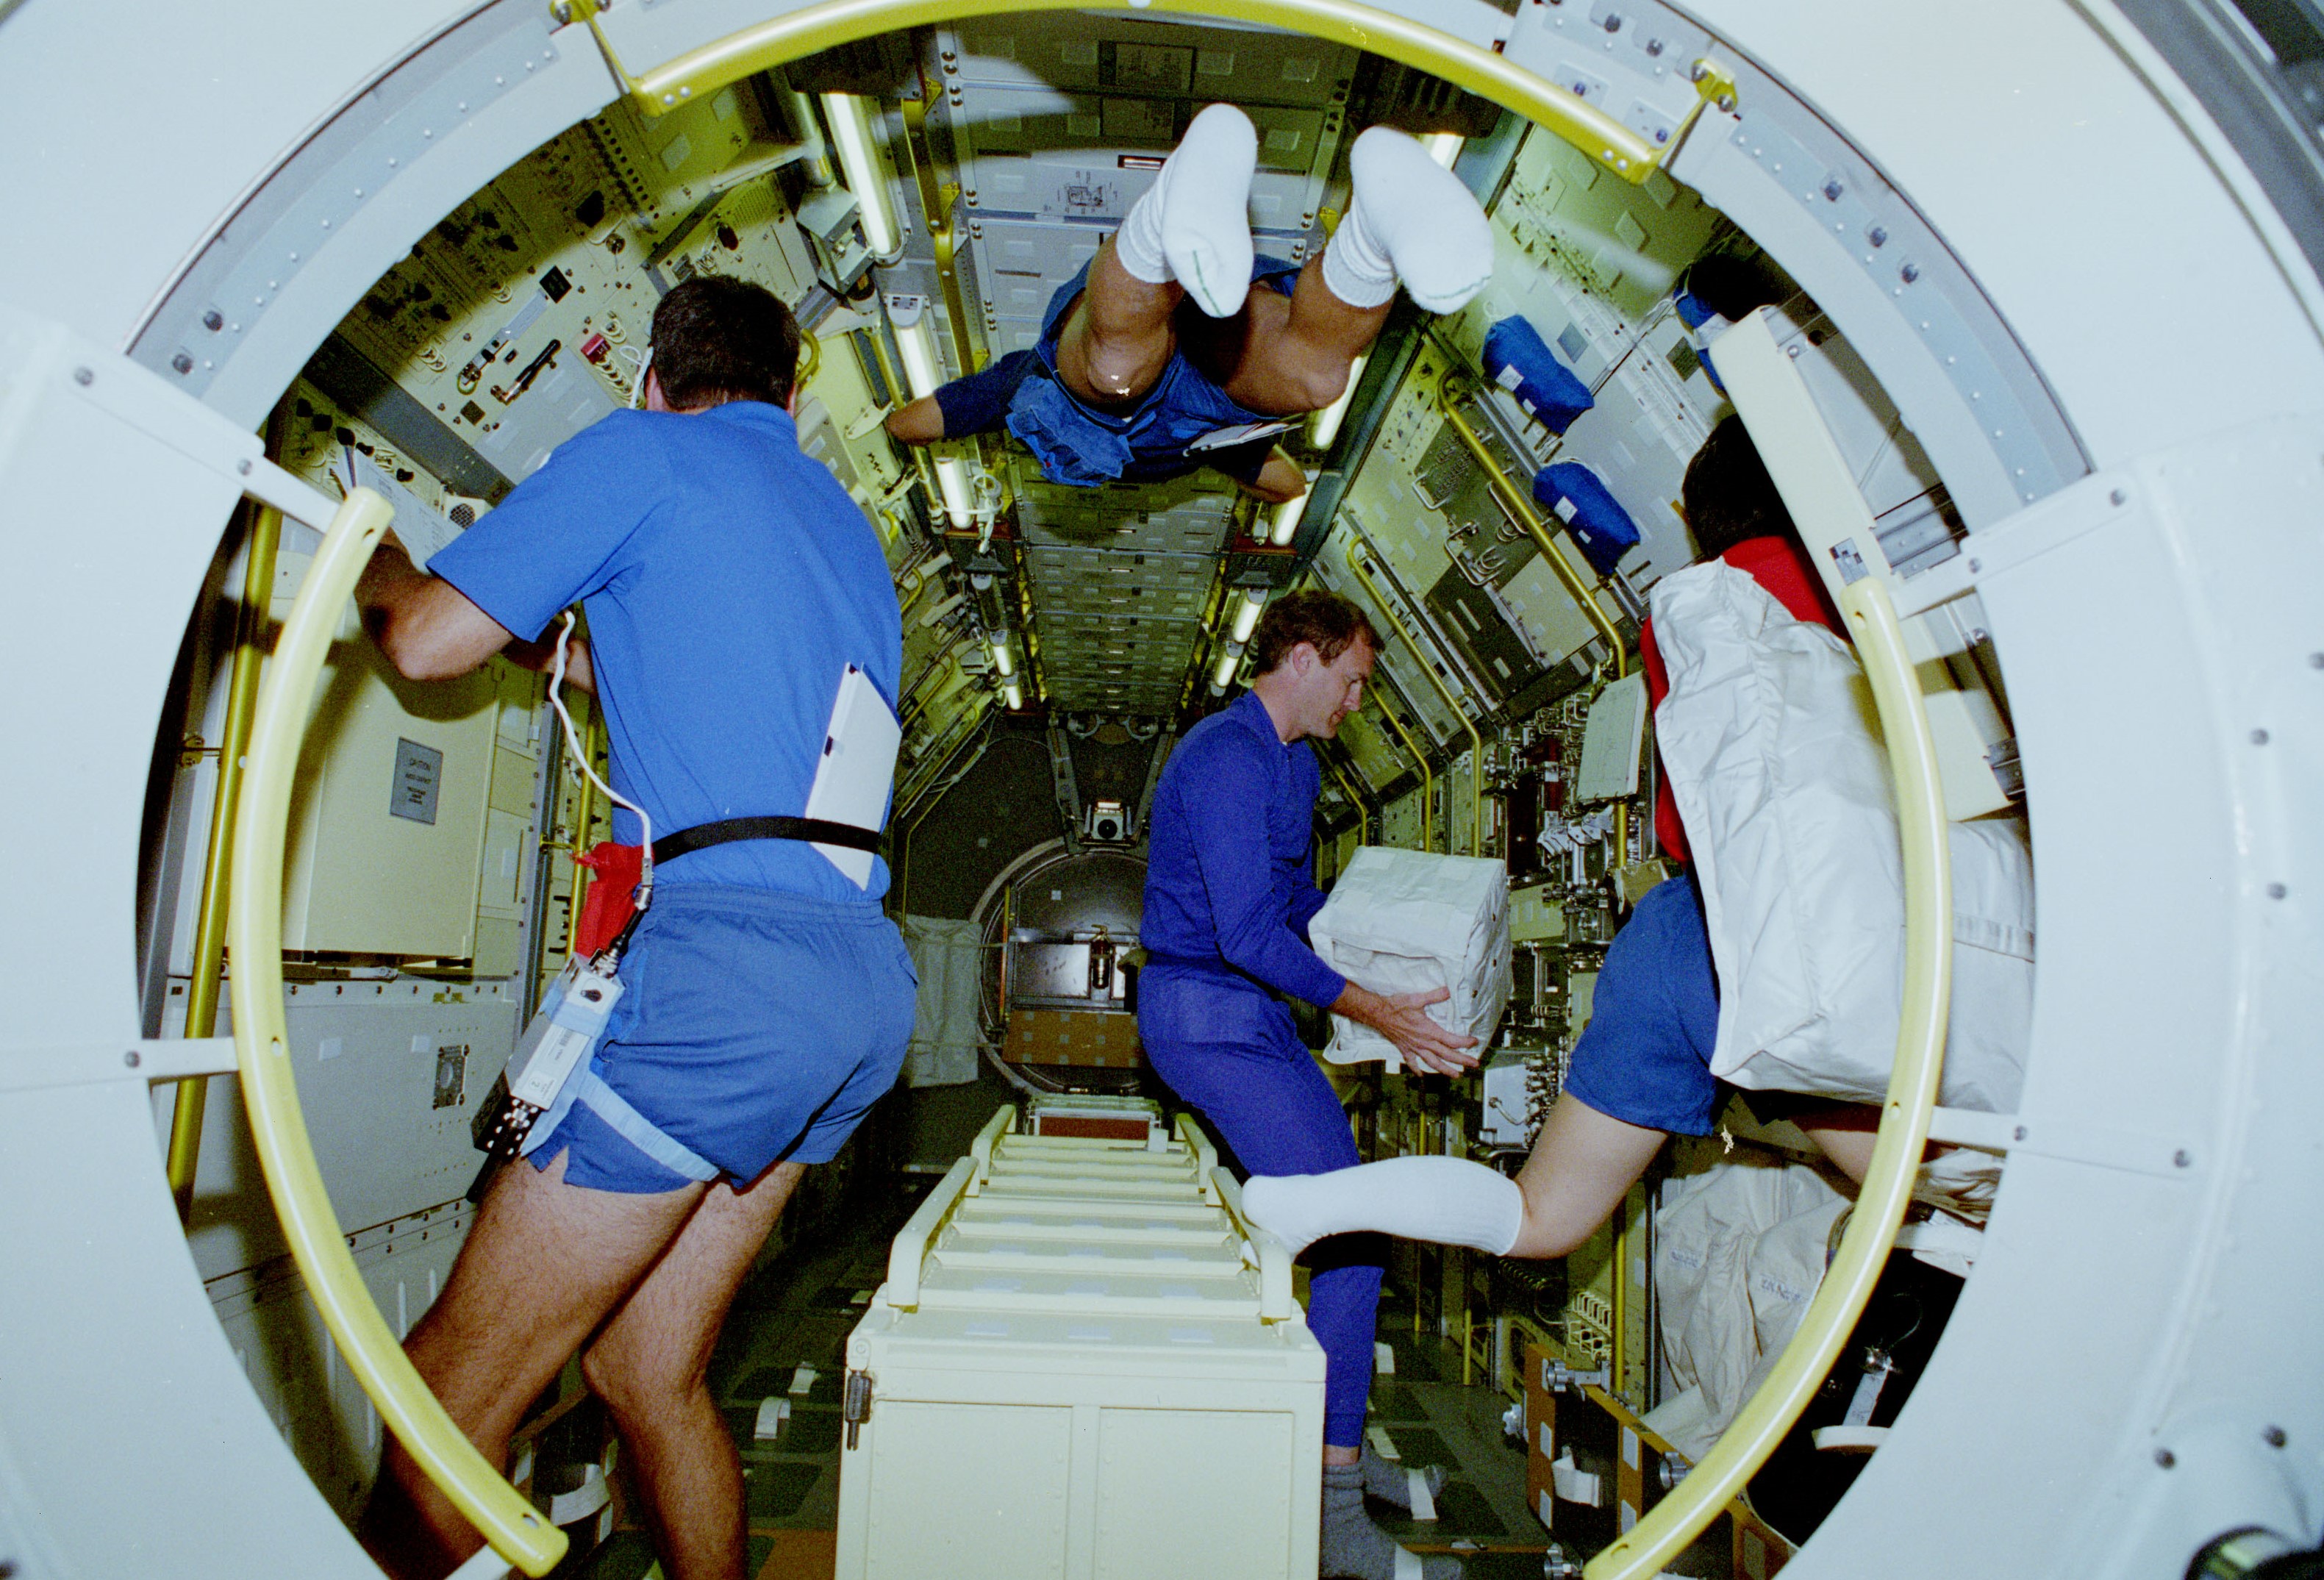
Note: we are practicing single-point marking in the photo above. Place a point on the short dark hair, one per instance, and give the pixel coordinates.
(1324, 620)
(1730, 286)
(1729, 497)
(717, 339)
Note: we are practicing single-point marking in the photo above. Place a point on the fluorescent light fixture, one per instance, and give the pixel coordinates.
(1247, 616)
(917, 343)
(851, 129)
(1285, 525)
(1444, 148)
(952, 480)
(1016, 697)
(1000, 658)
(1324, 425)
(1223, 676)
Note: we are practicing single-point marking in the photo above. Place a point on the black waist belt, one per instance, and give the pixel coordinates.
(815, 830)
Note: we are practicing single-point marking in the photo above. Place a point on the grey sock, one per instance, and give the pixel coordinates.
(1390, 1480)
(1354, 1548)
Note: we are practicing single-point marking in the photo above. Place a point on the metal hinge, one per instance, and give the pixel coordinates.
(855, 1403)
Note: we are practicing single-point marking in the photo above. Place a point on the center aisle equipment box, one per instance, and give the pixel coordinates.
(1084, 1365)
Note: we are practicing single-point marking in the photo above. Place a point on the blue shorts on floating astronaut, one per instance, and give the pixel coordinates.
(1184, 423)
(755, 1027)
(1644, 1057)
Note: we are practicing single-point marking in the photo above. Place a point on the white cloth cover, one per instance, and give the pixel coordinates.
(1774, 754)
(1738, 1253)
(1407, 921)
(947, 1039)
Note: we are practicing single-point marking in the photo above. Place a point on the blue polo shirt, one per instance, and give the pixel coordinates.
(1230, 874)
(729, 580)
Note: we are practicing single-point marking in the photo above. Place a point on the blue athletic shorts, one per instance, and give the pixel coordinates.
(1645, 1055)
(755, 1027)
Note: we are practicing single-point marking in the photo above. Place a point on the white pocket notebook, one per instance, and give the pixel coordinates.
(858, 768)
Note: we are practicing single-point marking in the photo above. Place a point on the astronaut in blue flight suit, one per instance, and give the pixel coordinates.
(1229, 894)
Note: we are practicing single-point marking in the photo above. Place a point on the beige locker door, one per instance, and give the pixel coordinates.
(1234, 1465)
(968, 1490)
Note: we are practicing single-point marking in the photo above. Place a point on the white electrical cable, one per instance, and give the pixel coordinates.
(581, 758)
(645, 365)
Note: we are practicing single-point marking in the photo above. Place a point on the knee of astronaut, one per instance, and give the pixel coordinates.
(1118, 374)
(627, 1384)
(1319, 383)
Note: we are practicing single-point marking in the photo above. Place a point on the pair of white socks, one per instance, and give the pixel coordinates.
(1409, 220)
(1447, 1200)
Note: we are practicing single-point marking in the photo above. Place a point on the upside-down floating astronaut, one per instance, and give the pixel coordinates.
(1158, 358)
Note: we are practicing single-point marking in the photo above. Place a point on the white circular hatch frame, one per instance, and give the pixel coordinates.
(2139, 1334)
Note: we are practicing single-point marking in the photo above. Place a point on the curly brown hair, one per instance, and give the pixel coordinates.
(1325, 620)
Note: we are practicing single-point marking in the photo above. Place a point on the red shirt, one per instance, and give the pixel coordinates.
(1782, 567)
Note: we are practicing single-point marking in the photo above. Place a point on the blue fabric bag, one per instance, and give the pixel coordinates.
(1571, 493)
(1702, 326)
(1518, 359)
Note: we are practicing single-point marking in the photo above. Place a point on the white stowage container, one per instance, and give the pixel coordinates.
(1085, 1365)
(1407, 921)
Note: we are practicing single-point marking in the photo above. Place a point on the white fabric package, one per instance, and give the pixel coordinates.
(1774, 757)
(1407, 921)
(1738, 1253)
(949, 957)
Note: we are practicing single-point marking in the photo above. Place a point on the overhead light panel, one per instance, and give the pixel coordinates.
(1015, 695)
(1247, 616)
(915, 340)
(1444, 148)
(1286, 524)
(851, 129)
(952, 480)
(1223, 676)
(1324, 425)
(1000, 658)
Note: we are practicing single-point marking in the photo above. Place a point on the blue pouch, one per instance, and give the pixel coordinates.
(1702, 326)
(1571, 493)
(1518, 359)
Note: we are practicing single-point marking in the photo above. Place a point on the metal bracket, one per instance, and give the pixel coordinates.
(172, 1058)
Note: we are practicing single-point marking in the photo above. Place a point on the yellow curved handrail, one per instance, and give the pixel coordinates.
(270, 1090)
(665, 86)
(1888, 1186)
(1419, 755)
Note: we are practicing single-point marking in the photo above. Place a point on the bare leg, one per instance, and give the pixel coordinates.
(1118, 335)
(648, 1366)
(544, 1264)
(1581, 1164)
(1281, 357)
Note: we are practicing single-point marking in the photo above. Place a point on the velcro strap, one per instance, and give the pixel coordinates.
(814, 830)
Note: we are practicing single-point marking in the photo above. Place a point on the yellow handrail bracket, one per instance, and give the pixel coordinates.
(1912, 1097)
(515, 1530)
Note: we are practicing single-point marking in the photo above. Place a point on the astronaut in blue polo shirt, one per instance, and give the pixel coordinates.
(730, 583)
(1178, 347)
(1229, 890)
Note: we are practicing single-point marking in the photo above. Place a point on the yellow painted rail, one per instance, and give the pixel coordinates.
(1880, 1204)
(270, 1090)
(664, 86)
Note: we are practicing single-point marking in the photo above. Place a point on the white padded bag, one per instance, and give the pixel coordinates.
(1407, 921)
(1738, 1253)
(1774, 757)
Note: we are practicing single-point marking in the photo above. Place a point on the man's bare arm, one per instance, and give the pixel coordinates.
(1403, 1019)
(920, 423)
(427, 628)
(1278, 481)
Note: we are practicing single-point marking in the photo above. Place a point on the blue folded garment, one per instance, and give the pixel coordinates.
(1571, 493)
(1518, 359)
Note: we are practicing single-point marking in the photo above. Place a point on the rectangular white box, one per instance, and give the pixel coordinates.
(1084, 1366)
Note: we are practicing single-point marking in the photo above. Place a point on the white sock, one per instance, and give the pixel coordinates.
(1412, 219)
(1193, 225)
(1448, 1200)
